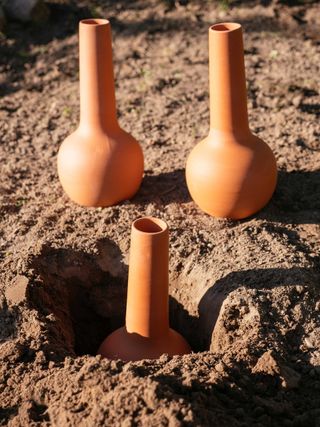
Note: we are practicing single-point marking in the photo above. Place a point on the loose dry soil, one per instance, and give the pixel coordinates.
(244, 293)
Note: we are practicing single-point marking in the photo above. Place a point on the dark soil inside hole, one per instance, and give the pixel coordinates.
(89, 327)
(86, 303)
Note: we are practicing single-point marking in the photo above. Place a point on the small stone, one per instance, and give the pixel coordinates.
(299, 289)
(16, 293)
(308, 343)
(219, 367)
(296, 100)
(267, 364)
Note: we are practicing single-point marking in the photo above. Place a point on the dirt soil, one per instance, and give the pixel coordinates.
(244, 293)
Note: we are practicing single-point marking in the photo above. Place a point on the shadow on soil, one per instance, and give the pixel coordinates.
(296, 199)
(19, 54)
(240, 397)
(8, 323)
(165, 188)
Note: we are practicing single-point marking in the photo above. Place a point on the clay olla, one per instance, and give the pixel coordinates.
(147, 334)
(99, 164)
(231, 173)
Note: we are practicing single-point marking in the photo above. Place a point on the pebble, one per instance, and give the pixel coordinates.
(299, 289)
(308, 343)
(51, 364)
(296, 100)
(219, 367)
(17, 293)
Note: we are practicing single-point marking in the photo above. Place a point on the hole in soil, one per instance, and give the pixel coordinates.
(81, 299)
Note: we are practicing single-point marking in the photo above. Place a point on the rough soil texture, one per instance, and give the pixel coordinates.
(245, 294)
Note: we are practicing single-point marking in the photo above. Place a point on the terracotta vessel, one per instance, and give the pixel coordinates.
(99, 164)
(146, 334)
(231, 173)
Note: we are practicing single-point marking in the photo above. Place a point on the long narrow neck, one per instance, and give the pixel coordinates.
(97, 93)
(147, 300)
(228, 97)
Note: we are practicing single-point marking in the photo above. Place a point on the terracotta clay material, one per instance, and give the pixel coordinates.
(99, 164)
(231, 173)
(147, 334)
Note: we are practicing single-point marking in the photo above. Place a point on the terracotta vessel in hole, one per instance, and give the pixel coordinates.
(146, 334)
(99, 164)
(231, 173)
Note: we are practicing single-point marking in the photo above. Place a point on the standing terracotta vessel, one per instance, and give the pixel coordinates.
(231, 173)
(146, 334)
(99, 164)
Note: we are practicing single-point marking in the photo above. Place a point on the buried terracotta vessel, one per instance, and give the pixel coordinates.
(231, 173)
(146, 334)
(99, 164)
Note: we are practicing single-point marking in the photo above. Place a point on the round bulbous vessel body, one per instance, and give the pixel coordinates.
(231, 173)
(99, 164)
(146, 334)
(127, 346)
(100, 169)
(229, 177)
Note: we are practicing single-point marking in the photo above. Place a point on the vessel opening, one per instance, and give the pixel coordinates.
(228, 26)
(94, 21)
(150, 225)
